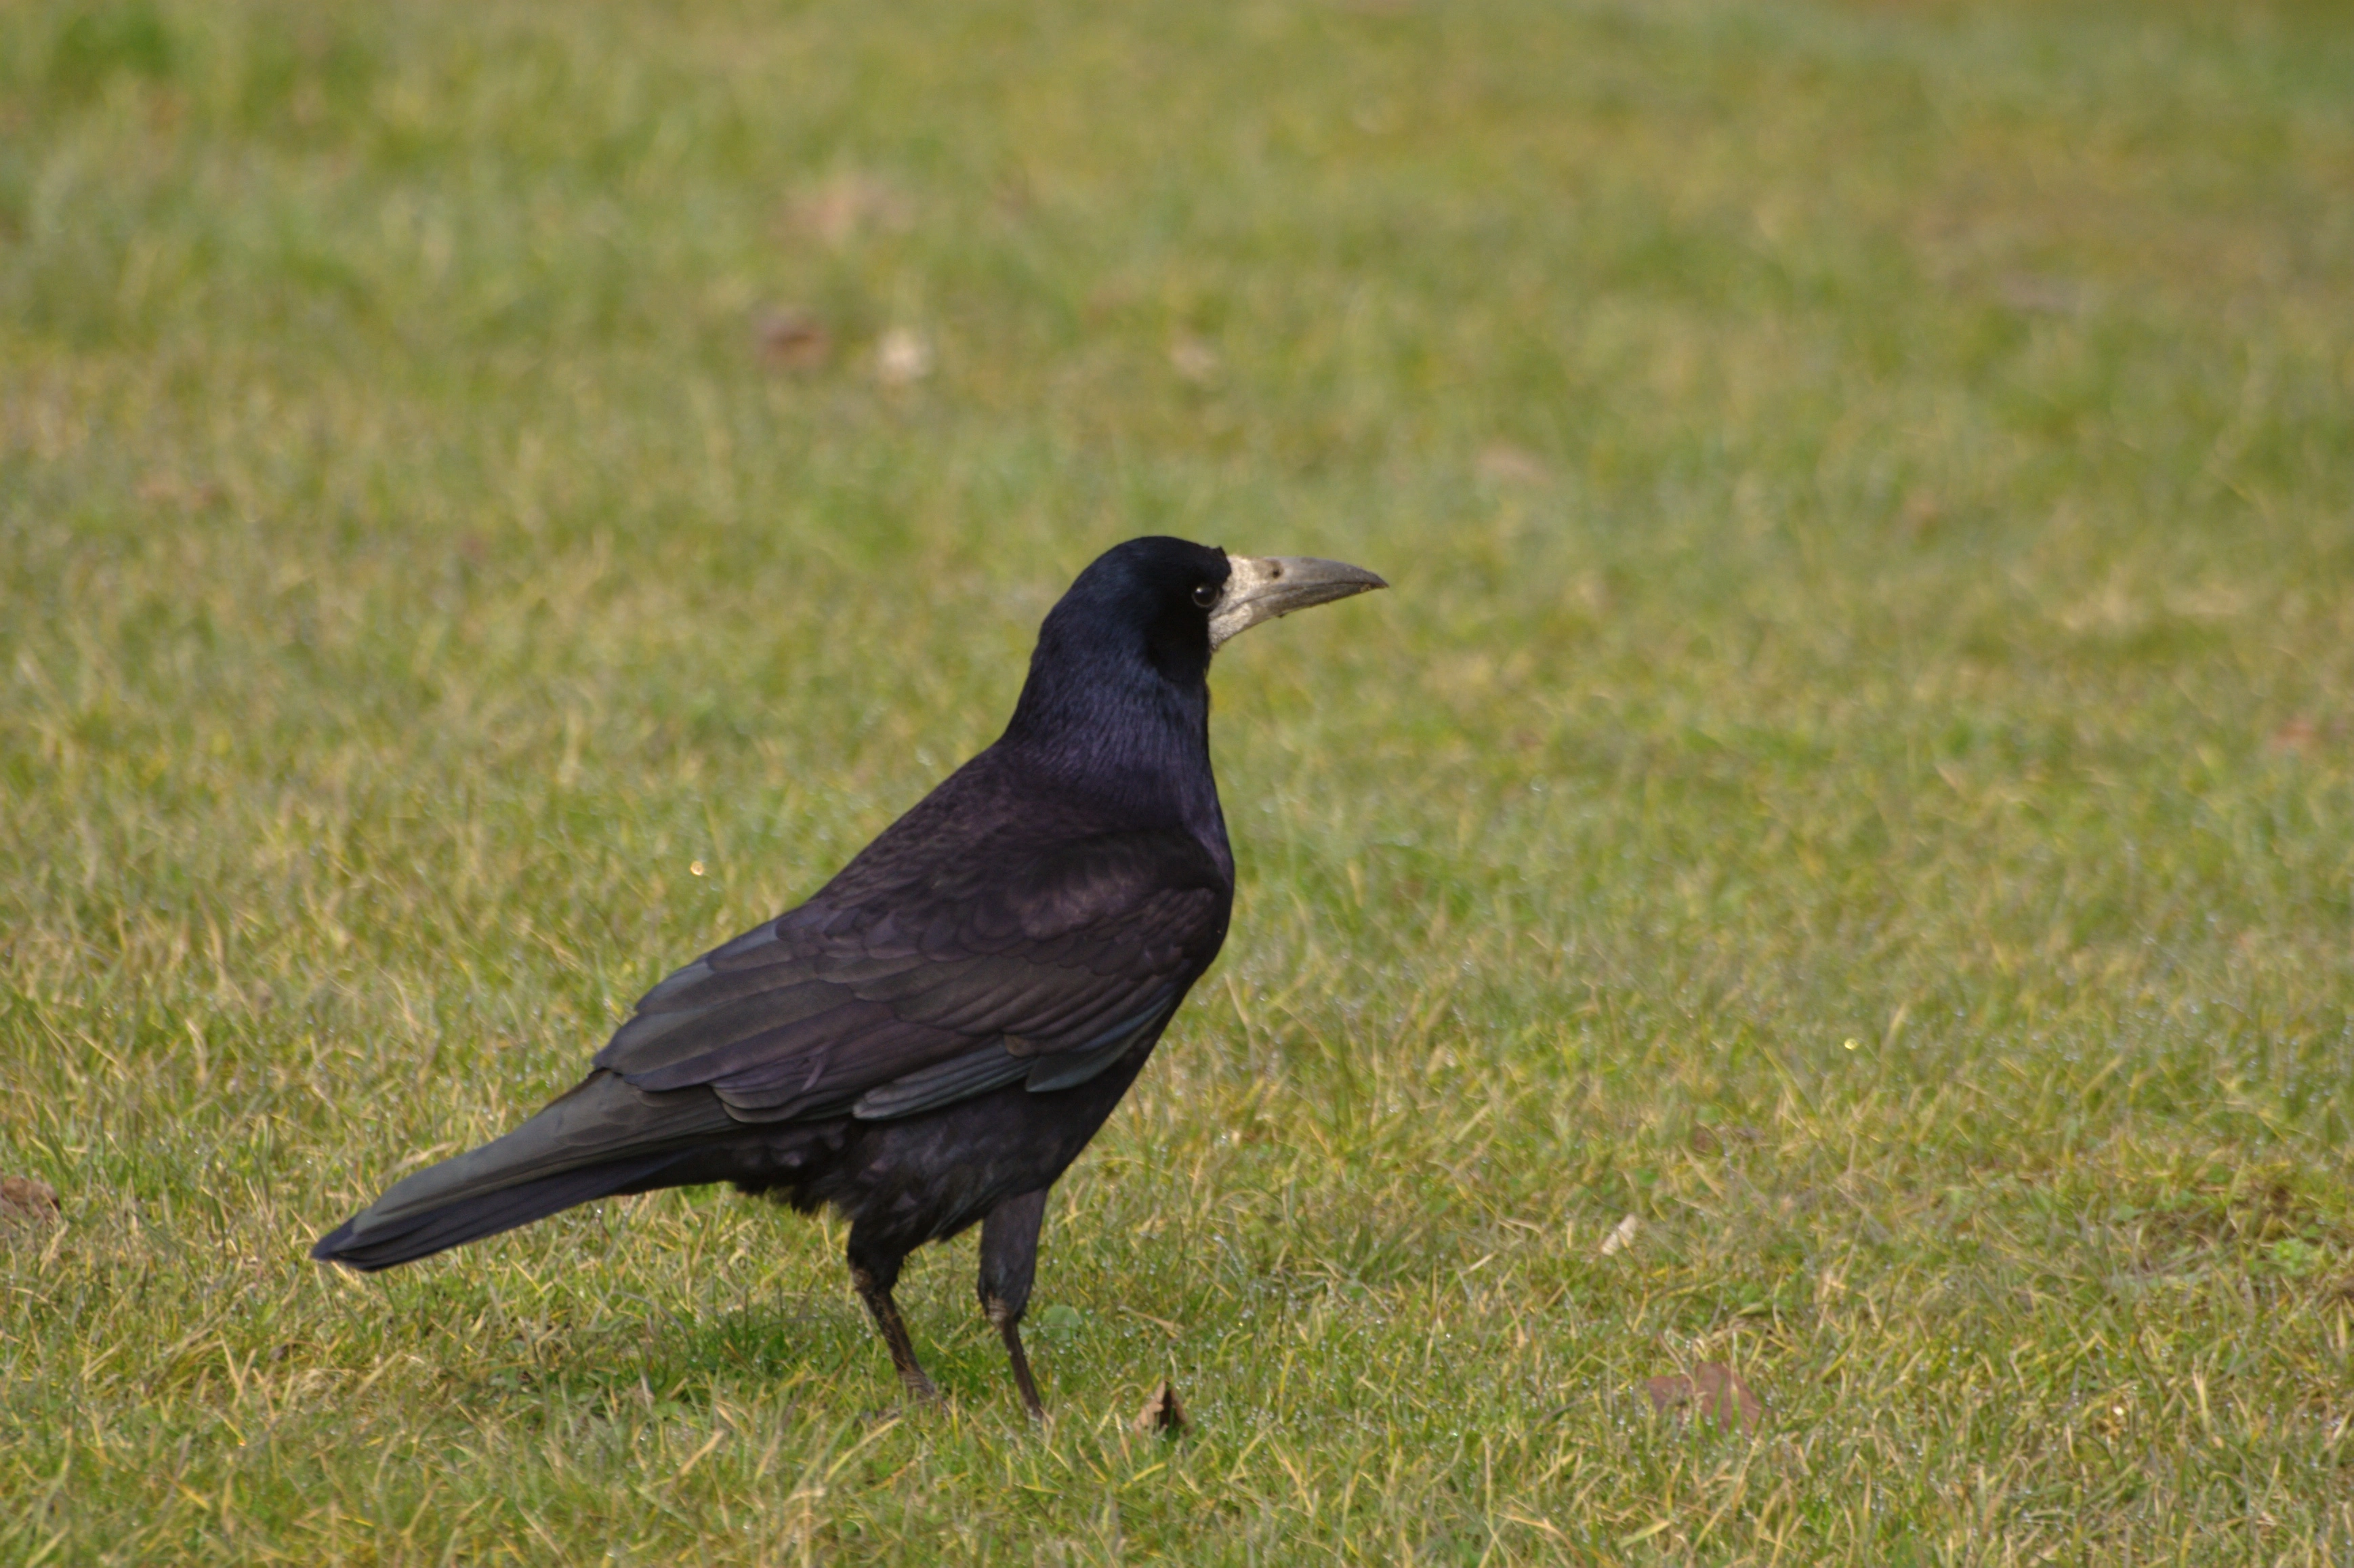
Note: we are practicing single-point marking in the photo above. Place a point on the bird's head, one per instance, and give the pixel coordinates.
(1176, 603)
(1118, 694)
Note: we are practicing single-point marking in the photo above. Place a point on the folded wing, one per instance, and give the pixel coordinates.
(1042, 964)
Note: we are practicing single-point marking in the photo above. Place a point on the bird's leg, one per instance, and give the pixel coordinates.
(873, 1273)
(1008, 1260)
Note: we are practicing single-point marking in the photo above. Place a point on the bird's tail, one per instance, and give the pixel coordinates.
(602, 1138)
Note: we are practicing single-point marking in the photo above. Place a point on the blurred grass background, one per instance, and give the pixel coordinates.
(1854, 773)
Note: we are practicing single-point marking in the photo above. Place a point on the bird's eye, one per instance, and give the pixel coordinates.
(1205, 595)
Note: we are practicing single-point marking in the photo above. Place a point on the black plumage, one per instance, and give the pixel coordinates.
(935, 1035)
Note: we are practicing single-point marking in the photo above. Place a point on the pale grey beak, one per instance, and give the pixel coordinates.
(1264, 588)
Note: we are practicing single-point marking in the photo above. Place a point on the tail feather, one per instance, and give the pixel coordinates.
(421, 1234)
(599, 1138)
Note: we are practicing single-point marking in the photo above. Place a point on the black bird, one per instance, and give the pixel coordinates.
(935, 1035)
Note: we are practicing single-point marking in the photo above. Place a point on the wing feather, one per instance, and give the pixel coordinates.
(976, 1071)
(1042, 962)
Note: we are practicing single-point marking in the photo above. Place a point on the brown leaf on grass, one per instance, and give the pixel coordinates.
(790, 339)
(1162, 1412)
(27, 1199)
(1713, 1389)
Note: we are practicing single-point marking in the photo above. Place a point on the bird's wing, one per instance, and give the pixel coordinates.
(1042, 964)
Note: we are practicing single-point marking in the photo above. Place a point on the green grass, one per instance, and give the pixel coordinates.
(1855, 770)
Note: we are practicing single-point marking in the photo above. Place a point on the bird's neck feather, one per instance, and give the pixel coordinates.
(1122, 733)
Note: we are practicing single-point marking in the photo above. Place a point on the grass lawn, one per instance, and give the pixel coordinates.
(1855, 773)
